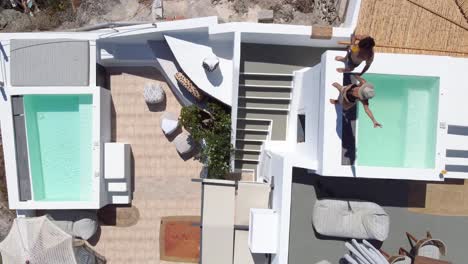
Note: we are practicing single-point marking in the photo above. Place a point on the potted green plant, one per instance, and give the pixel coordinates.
(212, 127)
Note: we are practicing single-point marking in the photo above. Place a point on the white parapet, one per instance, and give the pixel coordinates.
(263, 231)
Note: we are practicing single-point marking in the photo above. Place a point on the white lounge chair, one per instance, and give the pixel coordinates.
(363, 253)
(350, 219)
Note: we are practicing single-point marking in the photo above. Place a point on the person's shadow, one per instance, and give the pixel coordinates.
(345, 128)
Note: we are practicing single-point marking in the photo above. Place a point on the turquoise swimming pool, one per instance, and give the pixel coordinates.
(407, 107)
(59, 136)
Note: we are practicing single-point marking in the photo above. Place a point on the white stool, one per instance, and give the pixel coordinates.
(169, 123)
(184, 143)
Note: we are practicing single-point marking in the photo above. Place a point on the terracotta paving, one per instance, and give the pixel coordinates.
(180, 239)
(163, 184)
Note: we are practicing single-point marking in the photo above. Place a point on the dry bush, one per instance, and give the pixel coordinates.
(240, 6)
(304, 6)
(283, 13)
(3, 188)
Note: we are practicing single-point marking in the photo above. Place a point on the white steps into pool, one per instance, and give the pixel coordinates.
(456, 156)
(262, 110)
(117, 187)
(117, 174)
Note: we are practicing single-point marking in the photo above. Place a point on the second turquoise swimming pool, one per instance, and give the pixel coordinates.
(407, 107)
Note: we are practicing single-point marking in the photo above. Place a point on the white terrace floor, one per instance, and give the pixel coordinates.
(163, 184)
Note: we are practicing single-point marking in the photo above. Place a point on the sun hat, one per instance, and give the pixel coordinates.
(366, 91)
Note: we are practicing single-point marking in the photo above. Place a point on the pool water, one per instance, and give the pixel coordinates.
(407, 107)
(59, 135)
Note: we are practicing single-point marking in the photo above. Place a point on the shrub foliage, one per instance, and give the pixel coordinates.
(213, 126)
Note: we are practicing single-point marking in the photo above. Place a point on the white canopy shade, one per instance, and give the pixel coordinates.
(37, 240)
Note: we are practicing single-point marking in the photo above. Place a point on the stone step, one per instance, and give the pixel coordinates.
(249, 145)
(247, 124)
(245, 165)
(279, 119)
(263, 104)
(266, 80)
(264, 92)
(247, 155)
(256, 135)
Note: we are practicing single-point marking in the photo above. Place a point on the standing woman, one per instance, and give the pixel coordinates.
(358, 52)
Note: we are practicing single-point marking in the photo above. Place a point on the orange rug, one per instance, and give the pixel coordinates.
(179, 239)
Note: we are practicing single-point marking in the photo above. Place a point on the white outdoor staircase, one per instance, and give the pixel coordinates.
(262, 110)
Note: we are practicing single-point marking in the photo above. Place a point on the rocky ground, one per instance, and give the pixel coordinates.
(69, 14)
(6, 215)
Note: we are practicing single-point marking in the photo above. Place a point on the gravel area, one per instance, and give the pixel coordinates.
(6, 215)
(62, 15)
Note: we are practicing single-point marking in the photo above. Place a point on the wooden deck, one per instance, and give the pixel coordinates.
(410, 25)
(163, 184)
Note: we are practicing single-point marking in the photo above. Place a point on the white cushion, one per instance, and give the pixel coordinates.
(184, 143)
(376, 225)
(116, 160)
(85, 228)
(120, 199)
(169, 125)
(210, 63)
(429, 251)
(79, 223)
(117, 187)
(153, 93)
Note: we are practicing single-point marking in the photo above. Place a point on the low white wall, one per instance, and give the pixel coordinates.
(306, 101)
(145, 32)
(280, 34)
(235, 90)
(300, 39)
(3, 75)
(276, 171)
(309, 106)
(294, 105)
(281, 170)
